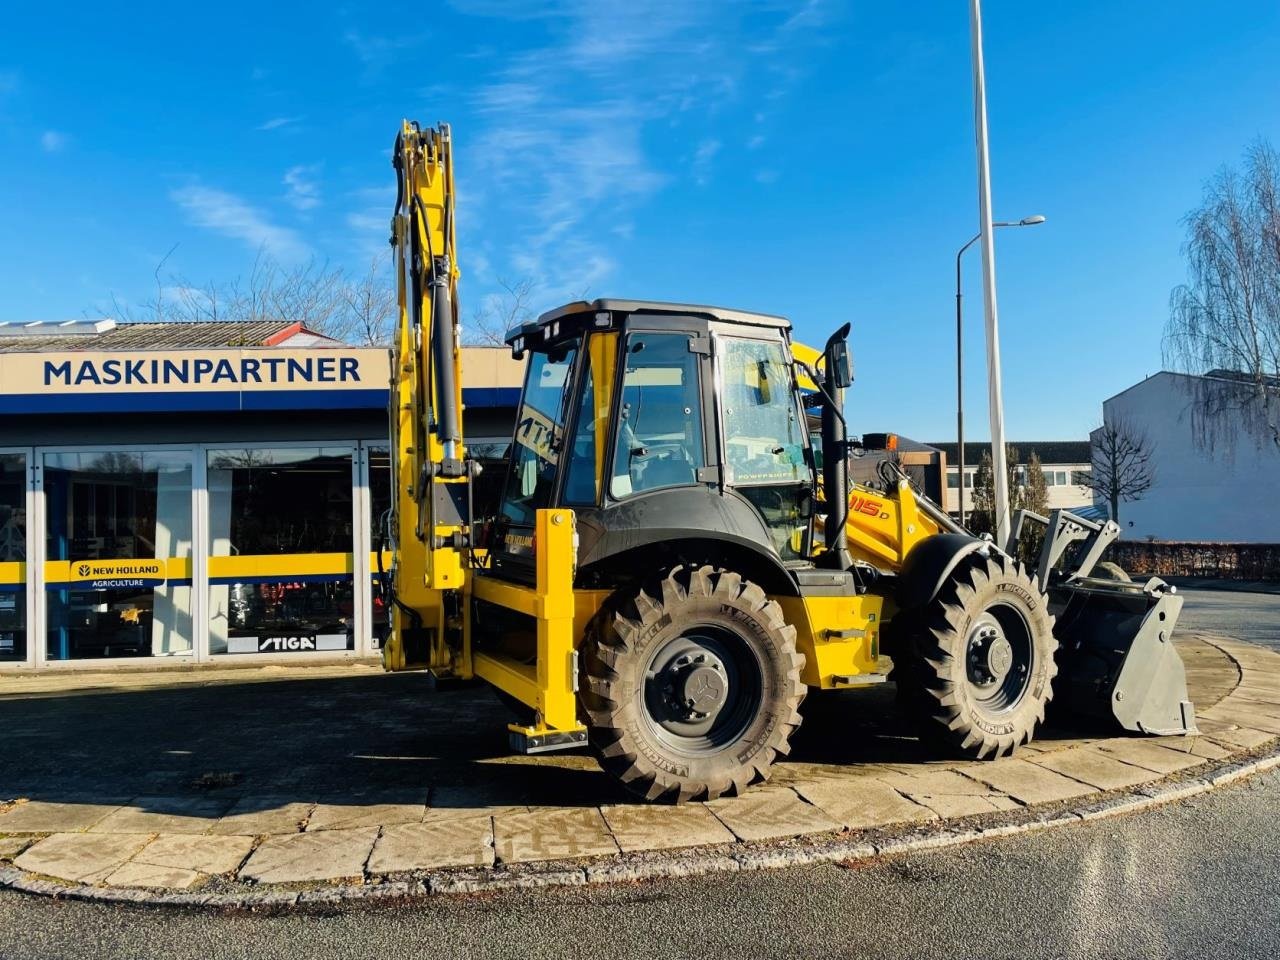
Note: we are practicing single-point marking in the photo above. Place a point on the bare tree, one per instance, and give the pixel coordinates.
(1120, 455)
(358, 310)
(1225, 320)
(372, 306)
(499, 312)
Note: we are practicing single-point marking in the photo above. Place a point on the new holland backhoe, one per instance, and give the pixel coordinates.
(667, 574)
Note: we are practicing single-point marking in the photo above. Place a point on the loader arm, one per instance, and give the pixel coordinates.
(428, 528)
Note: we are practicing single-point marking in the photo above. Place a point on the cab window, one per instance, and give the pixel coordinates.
(659, 435)
(539, 436)
(763, 434)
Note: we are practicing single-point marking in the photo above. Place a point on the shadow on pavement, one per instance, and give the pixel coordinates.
(194, 748)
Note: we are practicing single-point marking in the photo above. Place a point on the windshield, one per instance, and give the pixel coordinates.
(539, 436)
(763, 434)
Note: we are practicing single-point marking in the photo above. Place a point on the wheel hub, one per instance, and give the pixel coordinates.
(696, 685)
(990, 656)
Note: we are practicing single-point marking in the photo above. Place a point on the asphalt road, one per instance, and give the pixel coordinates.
(1245, 615)
(1195, 879)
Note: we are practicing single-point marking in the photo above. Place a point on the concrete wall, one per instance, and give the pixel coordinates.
(1198, 494)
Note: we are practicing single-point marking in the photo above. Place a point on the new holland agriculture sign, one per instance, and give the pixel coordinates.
(96, 574)
(180, 380)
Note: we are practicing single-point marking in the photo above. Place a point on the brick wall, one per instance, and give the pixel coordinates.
(1168, 558)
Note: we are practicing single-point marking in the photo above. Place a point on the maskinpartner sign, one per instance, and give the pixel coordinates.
(179, 380)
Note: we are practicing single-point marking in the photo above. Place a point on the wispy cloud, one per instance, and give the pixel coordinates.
(234, 217)
(577, 131)
(302, 187)
(275, 123)
(376, 52)
(52, 141)
(702, 158)
(9, 82)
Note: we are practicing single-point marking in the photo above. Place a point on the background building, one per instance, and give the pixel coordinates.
(195, 492)
(1218, 492)
(1063, 463)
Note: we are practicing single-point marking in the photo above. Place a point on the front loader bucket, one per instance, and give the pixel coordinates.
(1116, 655)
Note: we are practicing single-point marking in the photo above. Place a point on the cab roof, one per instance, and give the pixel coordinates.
(646, 307)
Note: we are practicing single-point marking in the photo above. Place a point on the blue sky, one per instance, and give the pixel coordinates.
(812, 158)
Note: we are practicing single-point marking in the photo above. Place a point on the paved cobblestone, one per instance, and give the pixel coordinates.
(485, 807)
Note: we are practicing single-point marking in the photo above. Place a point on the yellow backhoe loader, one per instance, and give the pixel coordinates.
(663, 580)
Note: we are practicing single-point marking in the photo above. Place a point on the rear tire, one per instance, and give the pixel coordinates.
(979, 672)
(1106, 570)
(692, 687)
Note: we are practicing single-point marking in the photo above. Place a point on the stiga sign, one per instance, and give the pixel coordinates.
(292, 644)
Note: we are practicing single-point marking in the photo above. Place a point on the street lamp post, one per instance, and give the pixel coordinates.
(1024, 222)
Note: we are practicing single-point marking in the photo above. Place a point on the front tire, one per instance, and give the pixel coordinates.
(692, 689)
(980, 670)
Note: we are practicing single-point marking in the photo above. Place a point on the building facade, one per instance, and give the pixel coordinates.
(1064, 462)
(200, 502)
(1200, 490)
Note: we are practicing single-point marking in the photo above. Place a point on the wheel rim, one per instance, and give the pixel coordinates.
(999, 657)
(701, 691)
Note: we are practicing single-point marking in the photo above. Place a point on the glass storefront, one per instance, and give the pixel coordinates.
(281, 559)
(117, 570)
(13, 556)
(206, 551)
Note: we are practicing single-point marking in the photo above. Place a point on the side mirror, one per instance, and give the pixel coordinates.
(840, 364)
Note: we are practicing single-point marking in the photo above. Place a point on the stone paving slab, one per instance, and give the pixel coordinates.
(82, 857)
(133, 874)
(771, 812)
(324, 855)
(464, 801)
(552, 834)
(39, 816)
(346, 816)
(258, 816)
(1028, 782)
(637, 827)
(863, 804)
(1205, 748)
(10, 847)
(954, 805)
(429, 846)
(164, 815)
(1233, 735)
(208, 855)
(1235, 702)
(1150, 754)
(1240, 713)
(1090, 765)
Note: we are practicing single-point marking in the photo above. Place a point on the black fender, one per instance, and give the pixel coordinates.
(692, 525)
(929, 564)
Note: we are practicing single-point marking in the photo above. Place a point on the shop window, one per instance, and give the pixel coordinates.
(280, 543)
(118, 554)
(13, 556)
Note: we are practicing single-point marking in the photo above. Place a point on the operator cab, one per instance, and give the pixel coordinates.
(675, 432)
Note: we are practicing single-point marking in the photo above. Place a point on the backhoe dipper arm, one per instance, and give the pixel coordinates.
(430, 473)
